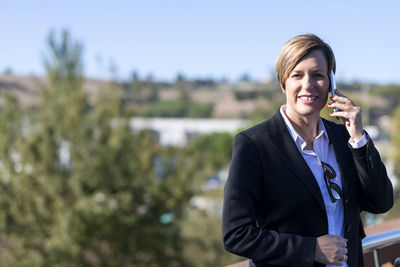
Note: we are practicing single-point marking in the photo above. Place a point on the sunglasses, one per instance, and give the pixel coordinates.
(334, 190)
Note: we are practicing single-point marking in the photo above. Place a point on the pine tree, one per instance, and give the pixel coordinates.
(78, 187)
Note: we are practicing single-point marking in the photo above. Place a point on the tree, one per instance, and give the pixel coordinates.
(35, 183)
(395, 137)
(136, 87)
(395, 140)
(245, 77)
(202, 229)
(79, 187)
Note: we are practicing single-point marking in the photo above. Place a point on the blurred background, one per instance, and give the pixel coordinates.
(117, 118)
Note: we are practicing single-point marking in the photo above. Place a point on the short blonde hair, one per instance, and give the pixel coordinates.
(296, 49)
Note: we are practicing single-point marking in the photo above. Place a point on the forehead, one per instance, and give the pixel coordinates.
(315, 59)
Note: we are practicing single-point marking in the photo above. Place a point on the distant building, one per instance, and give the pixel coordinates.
(179, 131)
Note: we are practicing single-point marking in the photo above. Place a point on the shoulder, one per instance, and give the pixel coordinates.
(256, 130)
(272, 126)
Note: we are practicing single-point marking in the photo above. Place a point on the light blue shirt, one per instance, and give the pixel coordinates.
(323, 153)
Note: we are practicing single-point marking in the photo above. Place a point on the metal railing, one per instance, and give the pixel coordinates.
(376, 242)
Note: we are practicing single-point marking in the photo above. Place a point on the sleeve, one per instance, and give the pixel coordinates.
(377, 190)
(240, 232)
(362, 142)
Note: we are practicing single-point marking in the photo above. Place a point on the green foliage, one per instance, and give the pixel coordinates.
(394, 213)
(202, 232)
(177, 108)
(270, 91)
(391, 93)
(244, 95)
(215, 148)
(201, 229)
(101, 205)
(140, 92)
(261, 113)
(391, 89)
(395, 137)
(65, 60)
(325, 113)
(79, 188)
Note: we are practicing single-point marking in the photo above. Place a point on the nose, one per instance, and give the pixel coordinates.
(307, 82)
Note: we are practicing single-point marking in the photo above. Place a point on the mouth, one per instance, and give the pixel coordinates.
(308, 99)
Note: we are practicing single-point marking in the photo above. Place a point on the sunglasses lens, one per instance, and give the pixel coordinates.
(329, 172)
(336, 191)
(335, 194)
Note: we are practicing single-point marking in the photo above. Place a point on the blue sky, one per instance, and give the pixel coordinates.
(205, 38)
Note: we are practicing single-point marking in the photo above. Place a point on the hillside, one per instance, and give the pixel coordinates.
(26, 88)
(243, 99)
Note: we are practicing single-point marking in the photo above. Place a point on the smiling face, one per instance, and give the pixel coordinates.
(307, 86)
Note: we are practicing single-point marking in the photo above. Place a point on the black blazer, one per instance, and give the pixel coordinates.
(273, 207)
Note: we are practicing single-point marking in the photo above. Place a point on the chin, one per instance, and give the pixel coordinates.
(307, 113)
(309, 110)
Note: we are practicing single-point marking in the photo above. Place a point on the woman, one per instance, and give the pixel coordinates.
(297, 183)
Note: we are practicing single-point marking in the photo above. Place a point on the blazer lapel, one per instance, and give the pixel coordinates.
(284, 145)
(338, 145)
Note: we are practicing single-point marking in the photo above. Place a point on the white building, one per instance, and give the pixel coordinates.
(179, 131)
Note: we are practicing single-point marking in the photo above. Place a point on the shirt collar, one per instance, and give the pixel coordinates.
(295, 135)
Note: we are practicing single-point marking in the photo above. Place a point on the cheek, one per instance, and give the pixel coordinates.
(323, 83)
(325, 95)
(324, 86)
(289, 89)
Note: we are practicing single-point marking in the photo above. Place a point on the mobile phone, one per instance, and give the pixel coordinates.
(333, 83)
(333, 86)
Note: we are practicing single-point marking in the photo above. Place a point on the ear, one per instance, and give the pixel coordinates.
(283, 88)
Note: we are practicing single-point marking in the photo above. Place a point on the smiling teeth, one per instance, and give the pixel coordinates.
(308, 98)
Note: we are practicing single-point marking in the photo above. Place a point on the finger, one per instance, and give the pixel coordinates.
(337, 263)
(342, 243)
(337, 105)
(353, 112)
(338, 237)
(342, 252)
(342, 99)
(341, 258)
(342, 114)
(338, 257)
(339, 95)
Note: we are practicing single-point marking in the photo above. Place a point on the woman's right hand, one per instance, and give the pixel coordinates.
(331, 249)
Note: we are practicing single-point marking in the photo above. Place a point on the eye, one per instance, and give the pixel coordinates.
(319, 75)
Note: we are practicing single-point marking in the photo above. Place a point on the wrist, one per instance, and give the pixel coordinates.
(357, 137)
